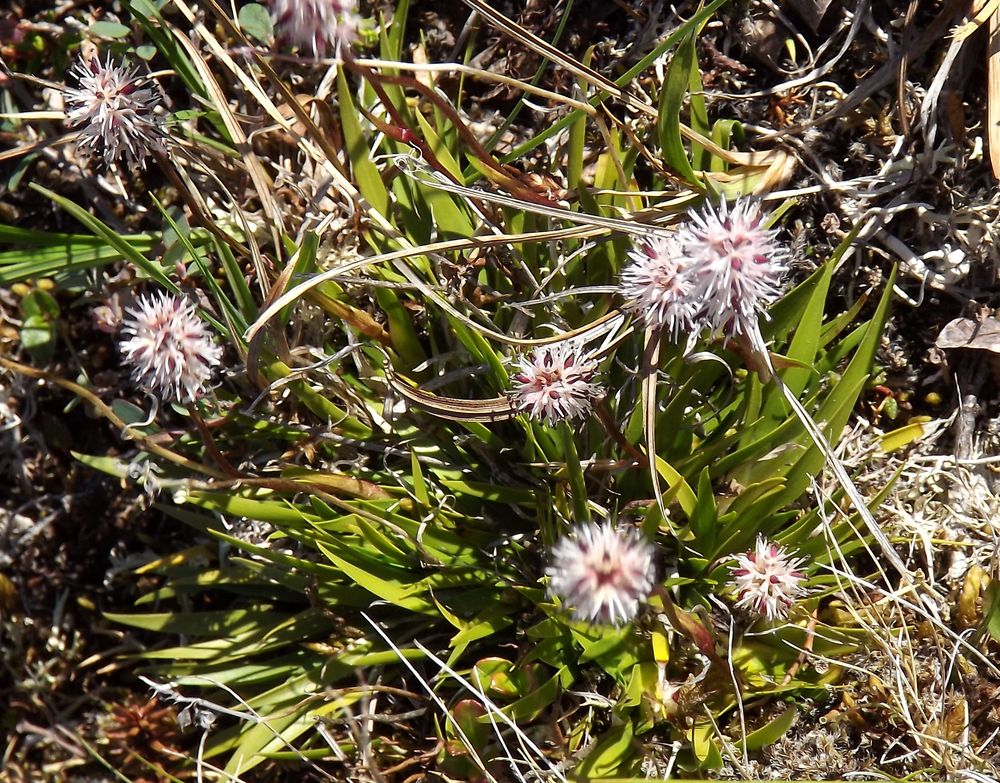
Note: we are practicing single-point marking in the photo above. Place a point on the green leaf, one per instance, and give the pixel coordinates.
(38, 336)
(112, 30)
(383, 581)
(38, 329)
(804, 346)
(991, 610)
(256, 22)
(577, 482)
(513, 496)
(704, 520)
(675, 481)
(610, 757)
(110, 465)
(668, 122)
(221, 623)
(365, 173)
(39, 303)
(111, 237)
(771, 731)
(704, 746)
(529, 707)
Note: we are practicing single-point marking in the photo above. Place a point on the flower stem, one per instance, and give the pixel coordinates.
(577, 482)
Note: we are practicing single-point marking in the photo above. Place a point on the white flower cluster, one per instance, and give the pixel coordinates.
(767, 581)
(113, 108)
(316, 24)
(556, 383)
(169, 348)
(718, 272)
(602, 573)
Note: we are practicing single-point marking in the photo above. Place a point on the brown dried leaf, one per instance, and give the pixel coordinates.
(981, 335)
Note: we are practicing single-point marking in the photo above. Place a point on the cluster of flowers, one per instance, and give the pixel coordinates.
(717, 272)
(169, 348)
(114, 108)
(603, 574)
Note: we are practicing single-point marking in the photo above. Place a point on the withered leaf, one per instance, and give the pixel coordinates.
(981, 335)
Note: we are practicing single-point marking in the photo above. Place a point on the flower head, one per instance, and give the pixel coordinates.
(317, 24)
(555, 382)
(767, 580)
(170, 349)
(739, 264)
(719, 271)
(602, 573)
(114, 110)
(657, 286)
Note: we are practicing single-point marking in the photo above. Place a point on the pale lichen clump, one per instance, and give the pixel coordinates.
(602, 573)
(169, 348)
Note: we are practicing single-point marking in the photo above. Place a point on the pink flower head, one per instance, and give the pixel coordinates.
(317, 24)
(170, 349)
(114, 110)
(555, 382)
(767, 581)
(718, 271)
(657, 286)
(602, 573)
(738, 265)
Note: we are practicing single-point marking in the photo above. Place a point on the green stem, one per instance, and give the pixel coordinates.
(577, 483)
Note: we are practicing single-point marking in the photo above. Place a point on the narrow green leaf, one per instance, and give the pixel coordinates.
(704, 520)
(365, 173)
(577, 481)
(668, 121)
(610, 757)
(675, 481)
(112, 238)
(771, 731)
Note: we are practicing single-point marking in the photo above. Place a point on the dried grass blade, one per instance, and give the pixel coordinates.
(479, 73)
(452, 408)
(650, 368)
(532, 41)
(456, 244)
(985, 12)
(261, 181)
(416, 170)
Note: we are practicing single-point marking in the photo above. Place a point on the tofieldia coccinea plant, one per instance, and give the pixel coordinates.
(555, 383)
(767, 581)
(115, 111)
(169, 348)
(316, 24)
(717, 272)
(602, 573)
